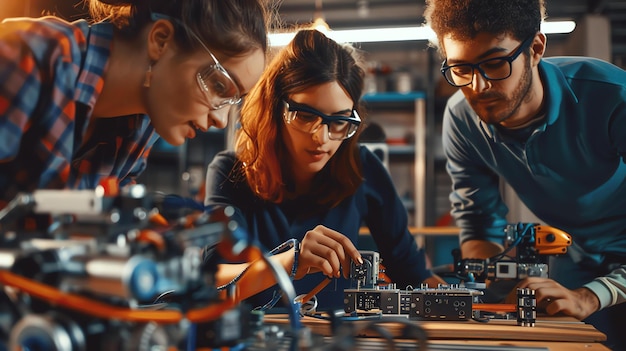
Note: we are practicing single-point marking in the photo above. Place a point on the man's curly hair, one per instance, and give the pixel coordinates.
(464, 19)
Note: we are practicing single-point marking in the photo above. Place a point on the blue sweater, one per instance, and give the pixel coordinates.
(375, 204)
(570, 171)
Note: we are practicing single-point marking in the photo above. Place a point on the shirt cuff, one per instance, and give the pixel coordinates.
(602, 291)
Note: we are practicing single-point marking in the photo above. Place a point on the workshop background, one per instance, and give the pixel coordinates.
(404, 99)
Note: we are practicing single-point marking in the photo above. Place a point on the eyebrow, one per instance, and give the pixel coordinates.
(342, 111)
(489, 52)
(346, 111)
(296, 104)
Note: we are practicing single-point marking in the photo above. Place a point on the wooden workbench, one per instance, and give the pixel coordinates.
(427, 231)
(549, 333)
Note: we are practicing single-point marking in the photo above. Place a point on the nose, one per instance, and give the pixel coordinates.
(479, 83)
(321, 134)
(220, 117)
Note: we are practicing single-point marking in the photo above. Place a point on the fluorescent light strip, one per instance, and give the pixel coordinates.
(558, 27)
(369, 35)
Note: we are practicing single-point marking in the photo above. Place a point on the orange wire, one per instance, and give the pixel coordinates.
(158, 219)
(210, 312)
(86, 305)
(316, 289)
(98, 309)
(495, 307)
(152, 237)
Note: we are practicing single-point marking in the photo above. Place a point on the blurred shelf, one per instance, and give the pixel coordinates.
(394, 96)
(412, 149)
(401, 150)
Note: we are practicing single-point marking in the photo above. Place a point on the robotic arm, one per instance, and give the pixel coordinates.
(529, 245)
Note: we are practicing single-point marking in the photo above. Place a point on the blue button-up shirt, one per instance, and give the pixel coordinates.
(570, 171)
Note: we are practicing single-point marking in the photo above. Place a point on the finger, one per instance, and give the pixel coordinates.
(311, 262)
(330, 244)
(539, 285)
(349, 252)
(323, 265)
(548, 290)
(561, 306)
(524, 283)
(327, 249)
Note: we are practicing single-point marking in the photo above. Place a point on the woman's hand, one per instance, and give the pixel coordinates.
(555, 298)
(325, 250)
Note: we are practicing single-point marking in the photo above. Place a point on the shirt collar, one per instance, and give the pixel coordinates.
(99, 38)
(557, 90)
(556, 93)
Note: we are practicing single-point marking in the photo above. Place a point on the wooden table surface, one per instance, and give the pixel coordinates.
(429, 231)
(554, 333)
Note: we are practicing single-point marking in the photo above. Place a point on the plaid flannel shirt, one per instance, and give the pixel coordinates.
(52, 74)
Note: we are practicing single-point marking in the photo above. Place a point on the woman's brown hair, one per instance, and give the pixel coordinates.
(309, 60)
(232, 27)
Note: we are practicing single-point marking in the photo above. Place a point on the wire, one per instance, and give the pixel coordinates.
(277, 295)
(518, 240)
(282, 279)
(309, 301)
(353, 317)
(286, 285)
(315, 290)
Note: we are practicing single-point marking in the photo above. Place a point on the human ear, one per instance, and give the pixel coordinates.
(160, 35)
(537, 48)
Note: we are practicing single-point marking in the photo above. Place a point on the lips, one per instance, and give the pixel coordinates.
(197, 127)
(316, 152)
(485, 99)
(316, 155)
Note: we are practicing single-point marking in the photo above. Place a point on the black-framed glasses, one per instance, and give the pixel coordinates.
(307, 119)
(497, 68)
(215, 82)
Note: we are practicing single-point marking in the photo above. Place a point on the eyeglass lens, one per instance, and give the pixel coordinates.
(213, 80)
(494, 69)
(218, 86)
(310, 123)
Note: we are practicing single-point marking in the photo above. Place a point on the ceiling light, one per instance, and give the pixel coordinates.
(387, 34)
(558, 27)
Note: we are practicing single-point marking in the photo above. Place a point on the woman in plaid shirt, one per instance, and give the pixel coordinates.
(81, 101)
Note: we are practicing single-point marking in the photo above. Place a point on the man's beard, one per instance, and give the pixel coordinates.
(506, 107)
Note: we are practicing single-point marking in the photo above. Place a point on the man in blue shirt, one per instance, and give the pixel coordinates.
(555, 130)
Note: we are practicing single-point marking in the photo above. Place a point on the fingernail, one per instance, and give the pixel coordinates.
(360, 260)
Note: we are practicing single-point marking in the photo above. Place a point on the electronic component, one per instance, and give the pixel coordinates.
(365, 295)
(365, 276)
(87, 275)
(386, 300)
(526, 307)
(443, 303)
(532, 243)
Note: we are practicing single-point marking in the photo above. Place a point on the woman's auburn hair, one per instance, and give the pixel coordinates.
(310, 59)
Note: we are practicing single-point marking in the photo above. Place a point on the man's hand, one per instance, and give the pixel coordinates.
(554, 298)
(481, 249)
(327, 251)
